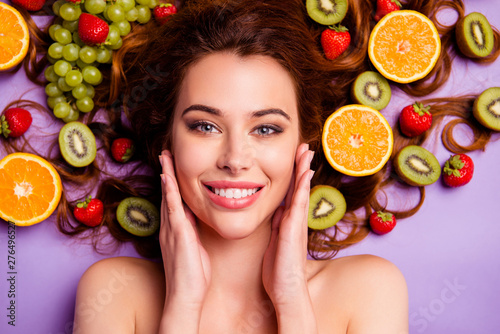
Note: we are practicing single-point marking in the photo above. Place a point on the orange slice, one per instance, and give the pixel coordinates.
(404, 46)
(30, 189)
(14, 37)
(357, 140)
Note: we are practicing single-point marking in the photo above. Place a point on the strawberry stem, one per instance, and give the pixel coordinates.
(420, 109)
(385, 216)
(453, 165)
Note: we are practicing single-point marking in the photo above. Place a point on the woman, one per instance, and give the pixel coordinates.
(235, 113)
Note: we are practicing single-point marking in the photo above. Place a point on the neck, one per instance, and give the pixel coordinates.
(236, 263)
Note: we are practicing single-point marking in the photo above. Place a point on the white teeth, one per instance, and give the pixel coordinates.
(234, 192)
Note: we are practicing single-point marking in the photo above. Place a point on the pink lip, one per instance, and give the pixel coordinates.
(233, 203)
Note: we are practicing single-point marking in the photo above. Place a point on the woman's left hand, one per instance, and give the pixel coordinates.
(284, 266)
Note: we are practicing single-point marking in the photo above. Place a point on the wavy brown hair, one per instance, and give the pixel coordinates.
(144, 80)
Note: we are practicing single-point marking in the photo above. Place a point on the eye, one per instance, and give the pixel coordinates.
(267, 130)
(204, 127)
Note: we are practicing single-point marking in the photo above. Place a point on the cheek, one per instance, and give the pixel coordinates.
(278, 163)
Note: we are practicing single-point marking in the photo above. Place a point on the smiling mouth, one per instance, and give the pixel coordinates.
(233, 192)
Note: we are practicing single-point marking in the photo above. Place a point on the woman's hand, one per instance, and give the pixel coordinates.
(186, 262)
(284, 266)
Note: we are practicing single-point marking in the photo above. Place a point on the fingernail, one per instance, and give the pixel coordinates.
(162, 176)
(311, 174)
(161, 160)
(311, 156)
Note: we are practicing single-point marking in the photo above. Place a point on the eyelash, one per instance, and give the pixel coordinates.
(197, 127)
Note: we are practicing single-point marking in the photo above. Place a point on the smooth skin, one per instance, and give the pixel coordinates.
(232, 266)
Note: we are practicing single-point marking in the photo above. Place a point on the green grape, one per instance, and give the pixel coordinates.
(62, 110)
(53, 90)
(52, 30)
(116, 13)
(55, 50)
(80, 91)
(88, 54)
(57, 5)
(144, 14)
(153, 3)
(105, 13)
(63, 36)
(123, 26)
(85, 105)
(103, 55)
(70, 12)
(113, 35)
(117, 45)
(71, 52)
(74, 78)
(80, 64)
(73, 116)
(50, 75)
(72, 26)
(62, 67)
(61, 83)
(53, 101)
(90, 91)
(95, 6)
(132, 15)
(126, 4)
(77, 40)
(51, 60)
(143, 2)
(92, 75)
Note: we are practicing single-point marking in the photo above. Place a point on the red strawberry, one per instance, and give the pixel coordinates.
(31, 5)
(415, 119)
(89, 212)
(382, 222)
(335, 41)
(458, 170)
(92, 30)
(15, 122)
(385, 7)
(122, 149)
(163, 11)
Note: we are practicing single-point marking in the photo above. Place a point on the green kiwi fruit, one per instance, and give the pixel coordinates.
(326, 207)
(138, 216)
(474, 35)
(417, 166)
(327, 12)
(486, 108)
(371, 89)
(77, 144)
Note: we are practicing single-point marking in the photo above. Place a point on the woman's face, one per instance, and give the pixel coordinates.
(235, 134)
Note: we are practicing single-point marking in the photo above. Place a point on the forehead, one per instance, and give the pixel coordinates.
(238, 84)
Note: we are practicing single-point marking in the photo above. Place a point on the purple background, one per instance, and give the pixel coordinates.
(448, 251)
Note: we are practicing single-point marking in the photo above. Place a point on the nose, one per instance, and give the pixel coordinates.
(236, 154)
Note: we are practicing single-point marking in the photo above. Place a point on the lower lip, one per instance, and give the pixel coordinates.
(233, 203)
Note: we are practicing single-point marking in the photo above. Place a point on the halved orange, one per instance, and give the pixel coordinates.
(30, 189)
(357, 140)
(404, 46)
(14, 37)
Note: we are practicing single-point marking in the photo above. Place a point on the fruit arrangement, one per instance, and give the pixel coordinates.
(85, 34)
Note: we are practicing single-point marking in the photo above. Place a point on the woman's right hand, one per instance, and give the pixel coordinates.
(186, 262)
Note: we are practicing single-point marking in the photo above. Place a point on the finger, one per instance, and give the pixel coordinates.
(303, 160)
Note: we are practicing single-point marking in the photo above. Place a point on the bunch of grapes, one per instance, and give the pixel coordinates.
(74, 69)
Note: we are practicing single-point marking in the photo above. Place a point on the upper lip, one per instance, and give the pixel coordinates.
(233, 184)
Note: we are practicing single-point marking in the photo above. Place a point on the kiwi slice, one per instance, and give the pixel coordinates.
(486, 108)
(77, 144)
(327, 12)
(474, 35)
(326, 207)
(371, 89)
(138, 216)
(417, 166)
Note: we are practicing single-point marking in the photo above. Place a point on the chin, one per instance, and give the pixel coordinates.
(235, 229)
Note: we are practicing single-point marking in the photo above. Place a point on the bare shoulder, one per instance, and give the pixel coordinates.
(372, 293)
(112, 292)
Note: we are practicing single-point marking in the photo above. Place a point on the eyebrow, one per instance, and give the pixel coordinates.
(218, 112)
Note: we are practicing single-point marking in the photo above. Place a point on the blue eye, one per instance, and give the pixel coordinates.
(268, 130)
(203, 127)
